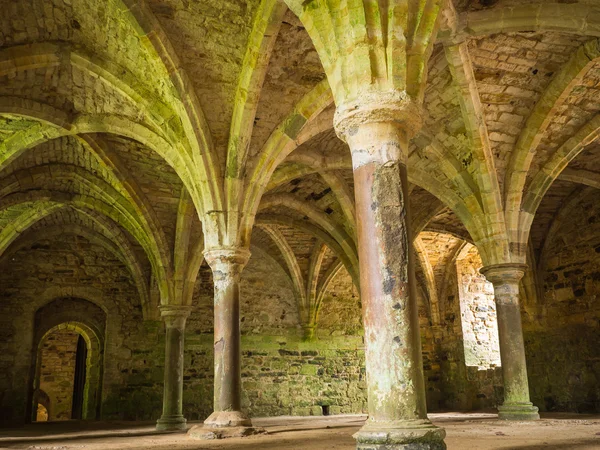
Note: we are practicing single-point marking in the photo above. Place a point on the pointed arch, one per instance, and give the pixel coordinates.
(290, 260)
(315, 215)
(281, 142)
(544, 178)
(551, 100)
(254, 69)
(310, 228)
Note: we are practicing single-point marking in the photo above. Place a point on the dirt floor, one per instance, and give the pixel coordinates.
(474, 431)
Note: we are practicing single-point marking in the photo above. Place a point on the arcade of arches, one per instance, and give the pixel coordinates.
(224, 209)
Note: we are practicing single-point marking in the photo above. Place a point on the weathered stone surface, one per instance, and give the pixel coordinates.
(133, 134)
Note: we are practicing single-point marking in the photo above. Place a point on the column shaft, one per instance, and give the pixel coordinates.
(396, 392)
(172, 416)
(517, 405)
(227, 265)
(394, 376)
(227, 342)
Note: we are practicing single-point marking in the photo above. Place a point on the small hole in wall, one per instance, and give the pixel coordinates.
(325, 409)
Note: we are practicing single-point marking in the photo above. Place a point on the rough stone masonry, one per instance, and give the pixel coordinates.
(245, 208)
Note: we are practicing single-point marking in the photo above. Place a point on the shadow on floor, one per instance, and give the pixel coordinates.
(293, 430)
(64, 431)
(70, 426)
(266, 443)
(562, 445)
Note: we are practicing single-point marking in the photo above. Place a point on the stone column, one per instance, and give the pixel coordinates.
(505, 278)
(309, 332)
(227, 420)
(377, 131)
(172, 417)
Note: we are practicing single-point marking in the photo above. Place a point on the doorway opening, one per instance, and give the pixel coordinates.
(478, 311)
(67, 376)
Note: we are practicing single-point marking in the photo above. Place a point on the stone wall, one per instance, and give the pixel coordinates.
(57, 372)
(76, 279)
(562, 332)
(281, 374)
(463, 387)
(477, 312)
(67, 267)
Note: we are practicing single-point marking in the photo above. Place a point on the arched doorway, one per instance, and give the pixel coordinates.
(68, 373)
(60, 327)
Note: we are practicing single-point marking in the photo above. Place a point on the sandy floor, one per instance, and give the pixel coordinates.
(464, 432)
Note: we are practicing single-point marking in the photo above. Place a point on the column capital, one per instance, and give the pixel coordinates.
(504, 273)
(219, 257)
(392, 106)
(175, 315)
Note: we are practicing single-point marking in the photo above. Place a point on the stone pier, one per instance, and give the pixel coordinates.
(227, 419)
(172, 418)
(505, 278)
(378, 131)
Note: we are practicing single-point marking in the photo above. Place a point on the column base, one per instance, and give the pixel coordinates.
(400, 435)
(171, 423)
(220, 419)
(223, 425)
(204, 432)
(518, 411)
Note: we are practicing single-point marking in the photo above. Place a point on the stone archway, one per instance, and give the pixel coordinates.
(93, 369)
(82, 320)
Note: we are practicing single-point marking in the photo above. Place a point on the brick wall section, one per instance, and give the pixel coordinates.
(58, 354)
(512, 70)
(340, 312)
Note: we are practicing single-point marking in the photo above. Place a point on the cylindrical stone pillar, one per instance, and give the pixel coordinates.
(227, 265)
(505, 278)
(172, 417)
(395, 384)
